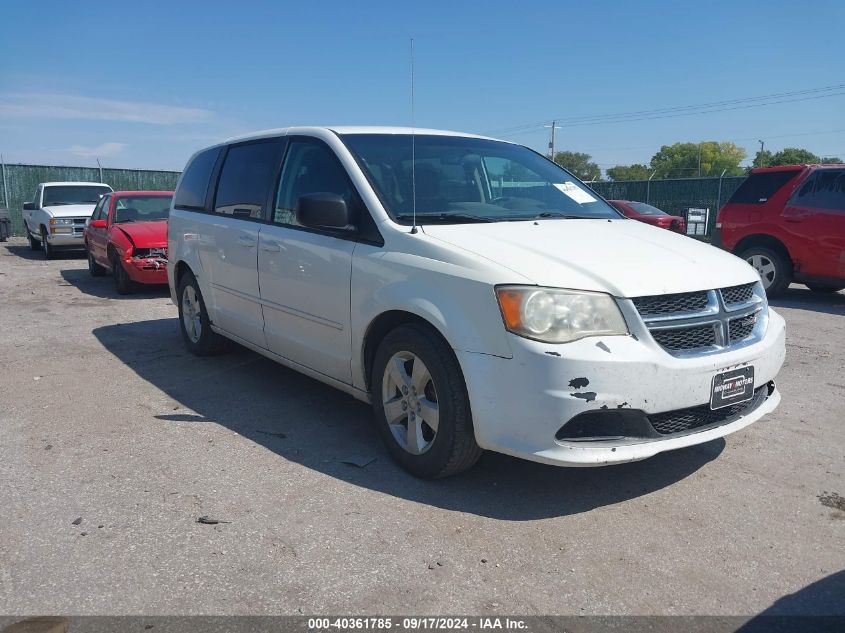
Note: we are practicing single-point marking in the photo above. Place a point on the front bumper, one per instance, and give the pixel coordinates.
(146, 270)
(519, 404)
(66, 240)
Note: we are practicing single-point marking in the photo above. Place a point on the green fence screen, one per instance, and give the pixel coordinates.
(674, 196)
(18, 183)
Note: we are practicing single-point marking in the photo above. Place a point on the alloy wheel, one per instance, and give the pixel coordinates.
(765, 267)
(409, 400)
(191, 314)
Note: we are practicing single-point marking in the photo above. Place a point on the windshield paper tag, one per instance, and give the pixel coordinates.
(575, 192)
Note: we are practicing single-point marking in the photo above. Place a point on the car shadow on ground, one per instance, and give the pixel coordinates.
(103, 287)
(24, 251)
(819, 606)
(802, 298)
(317, 426)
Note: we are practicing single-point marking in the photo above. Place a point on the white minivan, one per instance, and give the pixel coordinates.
(480, 296)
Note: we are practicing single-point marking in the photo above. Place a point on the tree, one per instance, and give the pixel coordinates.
(797, 156)
(762, 159)
(579, 164)
(687, 160)
(793, 156)
(629, 172)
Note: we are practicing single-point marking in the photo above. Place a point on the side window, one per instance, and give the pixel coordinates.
(96, 214)
(246, 178)
(829, 189)
(37, 200)
(193, 187)
(104, 210)
(804, 194)
(822, 190)
(310, 167)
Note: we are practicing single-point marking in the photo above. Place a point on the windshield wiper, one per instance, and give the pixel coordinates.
(123, 221)
(555, 214)
(57, 204)
(446, 217)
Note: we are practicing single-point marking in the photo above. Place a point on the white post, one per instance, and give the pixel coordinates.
(5, 182)
(648, 187)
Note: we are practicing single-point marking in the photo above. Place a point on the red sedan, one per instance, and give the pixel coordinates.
(650, 215)
(127, 234)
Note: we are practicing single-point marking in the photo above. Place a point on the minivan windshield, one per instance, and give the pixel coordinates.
(459, 180)
(56, 195)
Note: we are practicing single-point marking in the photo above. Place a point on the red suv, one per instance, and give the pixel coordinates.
(789, 223)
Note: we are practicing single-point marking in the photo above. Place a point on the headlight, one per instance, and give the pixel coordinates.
(559, 316)
(58, 221)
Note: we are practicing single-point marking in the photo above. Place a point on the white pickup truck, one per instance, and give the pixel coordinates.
(56, 217)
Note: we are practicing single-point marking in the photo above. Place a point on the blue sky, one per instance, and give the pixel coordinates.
(146, 84)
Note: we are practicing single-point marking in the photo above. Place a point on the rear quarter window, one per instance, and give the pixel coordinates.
(192, 190)
(758, 188)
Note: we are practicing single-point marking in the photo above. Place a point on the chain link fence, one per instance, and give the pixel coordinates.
(675, 196)
(18, 183)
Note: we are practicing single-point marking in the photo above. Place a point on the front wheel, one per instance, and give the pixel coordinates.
(193, 319)
(49, 251)
(122, 283)
(34, 244)
(93, 267)
(824, 288)
(774, 269)
(421, 403)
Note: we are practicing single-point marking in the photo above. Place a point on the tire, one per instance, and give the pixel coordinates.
(34, 244)
(49, 251)
(775, 270)
(824, 288)
(122, 283)
(93, 267)
(194, 323)
(427, 453)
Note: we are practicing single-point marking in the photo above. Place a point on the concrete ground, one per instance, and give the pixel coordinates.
(113, 441)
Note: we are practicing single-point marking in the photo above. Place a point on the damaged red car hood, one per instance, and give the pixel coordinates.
(145, 234)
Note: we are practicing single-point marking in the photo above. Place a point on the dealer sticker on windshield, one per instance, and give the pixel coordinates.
(575, 192)
(732, 387)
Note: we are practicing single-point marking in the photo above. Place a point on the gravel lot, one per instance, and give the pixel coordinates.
(106, 418)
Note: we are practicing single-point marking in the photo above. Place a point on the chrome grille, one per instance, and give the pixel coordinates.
(696, 417)
(704, 321)
(737, 294)
(686, 338)
(669, 304)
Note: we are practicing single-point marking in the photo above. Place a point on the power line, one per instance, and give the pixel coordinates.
(687, 110)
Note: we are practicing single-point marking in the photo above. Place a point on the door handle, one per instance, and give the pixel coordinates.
(270, 246)
(246, 242)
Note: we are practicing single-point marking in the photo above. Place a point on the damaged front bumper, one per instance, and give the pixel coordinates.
(143, 268)
(523, 406)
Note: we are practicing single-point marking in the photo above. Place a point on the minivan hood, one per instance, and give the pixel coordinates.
(71, 210)
(623, 257)
(145, 234)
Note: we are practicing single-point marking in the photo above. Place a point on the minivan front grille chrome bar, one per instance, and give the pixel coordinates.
(691, 324)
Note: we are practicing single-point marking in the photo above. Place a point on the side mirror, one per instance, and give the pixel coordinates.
(323, 211)
(97, 224)
(29, 206)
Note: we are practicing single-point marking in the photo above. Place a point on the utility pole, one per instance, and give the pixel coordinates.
(699, 160)
(762, 158)
(552, 140)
